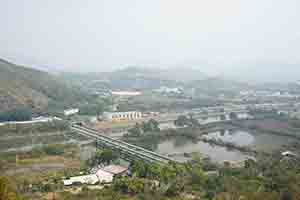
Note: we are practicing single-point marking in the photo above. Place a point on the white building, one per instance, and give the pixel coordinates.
(102, 176)
(122, 116)
(164, 89)
(71, 111)
(33, 121)
(91, 179)
(126, 93)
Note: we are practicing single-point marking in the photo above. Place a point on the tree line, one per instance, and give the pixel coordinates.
(17, 114)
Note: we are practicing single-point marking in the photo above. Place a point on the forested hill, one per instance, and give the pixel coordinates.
(34, 89)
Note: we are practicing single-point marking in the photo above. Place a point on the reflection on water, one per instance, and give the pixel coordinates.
(241, 138)
(258, 141)
(180, 145)
(206, 120)
(182, 141)
(270, 142)
(216, 153)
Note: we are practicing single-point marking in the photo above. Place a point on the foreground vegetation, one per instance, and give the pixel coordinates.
(270, 178)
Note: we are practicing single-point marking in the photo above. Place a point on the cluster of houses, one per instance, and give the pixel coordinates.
(103, 175)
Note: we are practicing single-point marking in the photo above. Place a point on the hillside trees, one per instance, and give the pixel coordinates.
(183, 120)
(106, 157)
(145, 127)
(223, 117)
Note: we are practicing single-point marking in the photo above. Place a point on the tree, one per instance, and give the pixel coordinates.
(233, 116)
(223, 117)
(100, 107)
(129, 185)
(135, 131)
(106, 156)
(139, 169)
(181, 121)
(194, 122)
(175, 187)
(151, 125)
(54, 149)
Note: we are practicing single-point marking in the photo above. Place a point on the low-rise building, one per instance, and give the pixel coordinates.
(71, 111)
(164, 89)
(122, 116)
(115, 169)
(33, 121)
(126, 93)
(91, 179)
(103, 176)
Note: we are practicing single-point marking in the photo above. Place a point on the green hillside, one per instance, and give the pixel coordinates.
(40, 91)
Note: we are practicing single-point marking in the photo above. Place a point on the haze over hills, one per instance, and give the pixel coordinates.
(172, 74)
(21, 86)
(141, 77)
(252, 72)
(263, 73)
(39, 90)
(136, 77)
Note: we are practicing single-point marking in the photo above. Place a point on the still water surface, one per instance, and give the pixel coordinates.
(257, 141)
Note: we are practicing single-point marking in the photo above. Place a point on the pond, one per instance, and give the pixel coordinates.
(216, 153)
(258, 141)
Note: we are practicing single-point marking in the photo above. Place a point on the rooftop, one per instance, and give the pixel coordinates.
(115, 169)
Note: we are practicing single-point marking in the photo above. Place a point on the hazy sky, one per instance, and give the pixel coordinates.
(108, 34)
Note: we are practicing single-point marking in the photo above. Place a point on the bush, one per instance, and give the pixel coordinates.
(54, 149)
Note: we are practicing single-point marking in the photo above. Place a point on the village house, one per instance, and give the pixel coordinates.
(91, 179)
(115, 169)
(103, 176)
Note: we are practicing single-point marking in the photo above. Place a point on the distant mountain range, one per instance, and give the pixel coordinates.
(180, 74)
(40, 90)
(21, 86)
(264, 73)
(147, 78)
